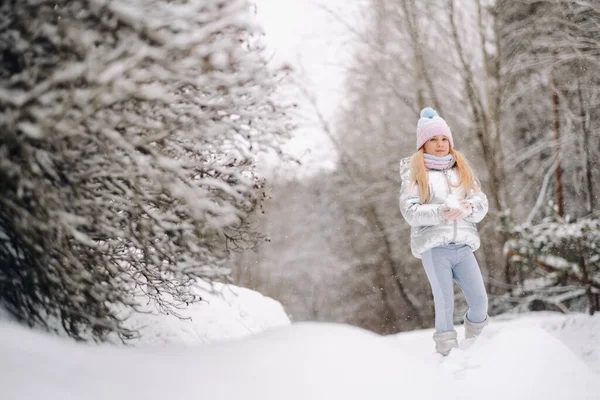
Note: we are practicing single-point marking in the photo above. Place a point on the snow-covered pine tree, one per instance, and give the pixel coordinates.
(557, 264)
(129, 131)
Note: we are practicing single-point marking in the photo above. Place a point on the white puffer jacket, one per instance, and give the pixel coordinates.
(428, 228)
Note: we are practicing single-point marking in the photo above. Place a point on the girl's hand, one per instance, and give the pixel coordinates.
(450, 213)
(467, 207)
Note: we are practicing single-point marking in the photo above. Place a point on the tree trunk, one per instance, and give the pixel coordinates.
(422, 72)
(586, 151)
(558, 189)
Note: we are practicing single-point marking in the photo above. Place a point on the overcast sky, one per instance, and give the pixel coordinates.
(313, 39)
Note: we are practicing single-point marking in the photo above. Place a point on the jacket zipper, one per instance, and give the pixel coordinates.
(450, 192)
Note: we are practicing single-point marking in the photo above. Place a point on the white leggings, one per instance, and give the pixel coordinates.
(445, 264)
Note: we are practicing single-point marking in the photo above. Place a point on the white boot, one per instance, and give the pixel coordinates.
(473, 329)
(445, 341)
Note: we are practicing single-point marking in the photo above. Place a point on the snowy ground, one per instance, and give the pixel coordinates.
(226, 312)
(533, 356)
(538, 356)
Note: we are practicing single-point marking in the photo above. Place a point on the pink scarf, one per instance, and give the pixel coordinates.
(439, 163)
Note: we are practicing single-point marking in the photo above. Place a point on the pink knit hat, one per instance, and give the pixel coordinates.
(431, 124)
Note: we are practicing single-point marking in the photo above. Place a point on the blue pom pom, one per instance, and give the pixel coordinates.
(428, 112)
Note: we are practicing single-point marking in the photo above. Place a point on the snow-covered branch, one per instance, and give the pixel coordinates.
(130, 130)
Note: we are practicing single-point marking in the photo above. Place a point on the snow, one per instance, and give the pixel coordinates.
(556, 262)
(520, 355)
(31, 130)
(538, 356)
(579, 332)
(452, 202)
(226, 312)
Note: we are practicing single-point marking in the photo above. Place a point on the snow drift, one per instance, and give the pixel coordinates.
(511, 360)
(225, 312)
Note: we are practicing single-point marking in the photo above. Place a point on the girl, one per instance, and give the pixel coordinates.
(442, 201)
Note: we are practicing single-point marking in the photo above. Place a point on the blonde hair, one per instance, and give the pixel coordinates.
(418, 173)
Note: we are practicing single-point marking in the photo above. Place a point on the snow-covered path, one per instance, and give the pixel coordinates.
(533, 357)
(512, 360)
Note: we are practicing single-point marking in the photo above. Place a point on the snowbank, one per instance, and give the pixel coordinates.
(579, 332)
(226, 312)
(511, 360)
(519, 363)
(307, 361)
